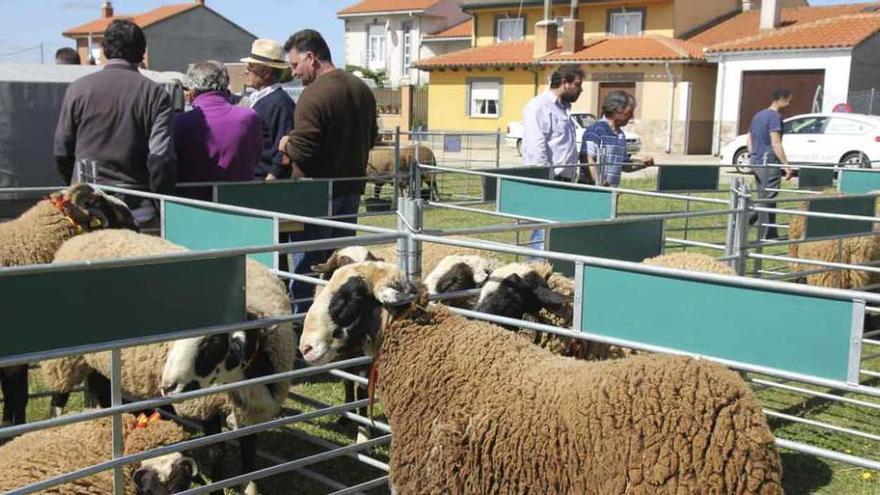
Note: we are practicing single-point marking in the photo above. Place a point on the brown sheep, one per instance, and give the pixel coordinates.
(475, 409)
(381, 162)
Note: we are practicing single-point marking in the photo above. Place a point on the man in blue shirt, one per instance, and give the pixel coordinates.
(603, 144)
(765, 148)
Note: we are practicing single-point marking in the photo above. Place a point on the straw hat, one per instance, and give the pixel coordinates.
(266, 52)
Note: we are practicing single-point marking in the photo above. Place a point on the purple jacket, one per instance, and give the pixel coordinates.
(217, 141)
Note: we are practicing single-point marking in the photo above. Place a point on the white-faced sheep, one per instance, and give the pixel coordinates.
(33, 238)
(458, 272)
(44, 454)
(852, 250)
(381, 163)
(191, 364)
(474, 409)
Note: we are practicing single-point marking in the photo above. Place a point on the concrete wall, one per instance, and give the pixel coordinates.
(865, 67)
(195, 35)
(836, 64)
(659, 19)
(448, 99)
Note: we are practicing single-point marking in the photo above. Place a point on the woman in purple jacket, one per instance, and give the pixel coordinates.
(215, 141)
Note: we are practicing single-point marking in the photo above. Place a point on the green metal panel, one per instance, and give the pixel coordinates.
(627, 240)
(687, 178)
(856, 181)
(490, 184)
(56, 310)
(824, 227)
(791, 332)
(554, 202)
(308, 198)
(201, 229)
(815, 178)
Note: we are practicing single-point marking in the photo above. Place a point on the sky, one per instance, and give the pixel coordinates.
(25, 24)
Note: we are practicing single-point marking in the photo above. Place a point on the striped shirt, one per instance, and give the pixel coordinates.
(606, 147)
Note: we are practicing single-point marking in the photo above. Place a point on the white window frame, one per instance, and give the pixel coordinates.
(406, 49)
(377, 46)
(510, 20)
(638, 15)
(481, 94)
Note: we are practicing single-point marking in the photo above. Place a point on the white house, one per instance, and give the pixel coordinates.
(390, 34)
(824, 55)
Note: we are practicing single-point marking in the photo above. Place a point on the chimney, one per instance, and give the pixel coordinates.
(747, 5)
(770, 14)
(573, 31)
(545, 37)
(107, 10)
(200, 2)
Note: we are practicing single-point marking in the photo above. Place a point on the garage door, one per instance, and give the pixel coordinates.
(758, 88)
(607, 87)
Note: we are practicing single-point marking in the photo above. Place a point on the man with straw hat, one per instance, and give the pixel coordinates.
(265, 68)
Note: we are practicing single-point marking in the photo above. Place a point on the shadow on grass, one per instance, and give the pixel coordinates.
(803, 474)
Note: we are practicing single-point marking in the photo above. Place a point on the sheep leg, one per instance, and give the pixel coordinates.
(217, 451)
(59, 402)
(14, 382)
(98, 390)
(377, 189)
(248, 446)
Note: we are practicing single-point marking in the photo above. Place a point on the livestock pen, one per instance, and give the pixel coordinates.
(809, 344)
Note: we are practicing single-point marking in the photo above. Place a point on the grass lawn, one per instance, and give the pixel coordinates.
(802, 473)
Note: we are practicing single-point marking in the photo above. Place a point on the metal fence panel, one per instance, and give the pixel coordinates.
(309, 198)
(857, 181)
(552, 202)
(824, 227)
(60, 307)
(627, 240)
(687, 178)
(490, 184)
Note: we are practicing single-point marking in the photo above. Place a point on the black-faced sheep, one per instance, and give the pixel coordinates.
(190, 364)
(474, 409)
(381, 163)
(33, 238)
(44, 454)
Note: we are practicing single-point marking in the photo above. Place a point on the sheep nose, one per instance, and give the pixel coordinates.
(169, 389)
(305, 349)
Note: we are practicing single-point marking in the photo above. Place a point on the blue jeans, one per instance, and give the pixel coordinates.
(302, 262)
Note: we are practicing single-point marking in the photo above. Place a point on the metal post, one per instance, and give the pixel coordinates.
(687, 209)
(729, 249)
(116, 400)
(871, 103)
(742, 230)
(395, 169)
(403, 242)
(414, 248)
(416, 172)
(498, 148)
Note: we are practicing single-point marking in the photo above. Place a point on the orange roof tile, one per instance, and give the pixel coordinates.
(836, 32)
(747, 23)
(142, 20)
(645, 47)
(368, 6)
(460, 30)
(505, 54)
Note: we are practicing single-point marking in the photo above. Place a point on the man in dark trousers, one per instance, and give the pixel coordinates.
(265, 66)
(333, 131)
(765, 148)
(116, 124)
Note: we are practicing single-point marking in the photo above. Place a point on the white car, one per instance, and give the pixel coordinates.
(847, 138)
(581, 120)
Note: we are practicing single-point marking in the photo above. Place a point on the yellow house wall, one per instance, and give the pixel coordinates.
(448, 99)
(692, 14)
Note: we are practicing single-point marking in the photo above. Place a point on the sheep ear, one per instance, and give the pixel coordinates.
(397, 294)
(480, 277)
(145, 480)
(327, 267)
(372, 257)
(548, 298)
(188, 466)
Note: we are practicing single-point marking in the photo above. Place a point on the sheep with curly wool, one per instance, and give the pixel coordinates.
(696, 262)
(44, 454)
(475, 409)
(192, 364)
(460, 272)
(852, 250)
(432, 254)
(33, 238)
(380, 165)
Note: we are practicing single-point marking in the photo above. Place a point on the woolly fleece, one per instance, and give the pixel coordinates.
(43, 454)
(690, 261)
(475, 409)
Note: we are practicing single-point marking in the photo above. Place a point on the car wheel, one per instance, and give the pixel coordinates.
(519, 147)
(855, 159)
(741, 161)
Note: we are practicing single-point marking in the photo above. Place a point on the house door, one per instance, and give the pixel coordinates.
(758, 87)
(608, 87)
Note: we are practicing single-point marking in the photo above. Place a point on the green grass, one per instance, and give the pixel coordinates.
(802, 474)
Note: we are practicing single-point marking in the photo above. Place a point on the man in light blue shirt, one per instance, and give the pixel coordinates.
(549, 137)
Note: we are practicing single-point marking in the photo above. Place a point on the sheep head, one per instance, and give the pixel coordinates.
(343, 257)
(352, 310)
(200, 362)
(515, 290)
(459, 272)
(92, 209)
(164, 475)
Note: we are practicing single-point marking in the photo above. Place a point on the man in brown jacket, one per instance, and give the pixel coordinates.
(334, 127)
